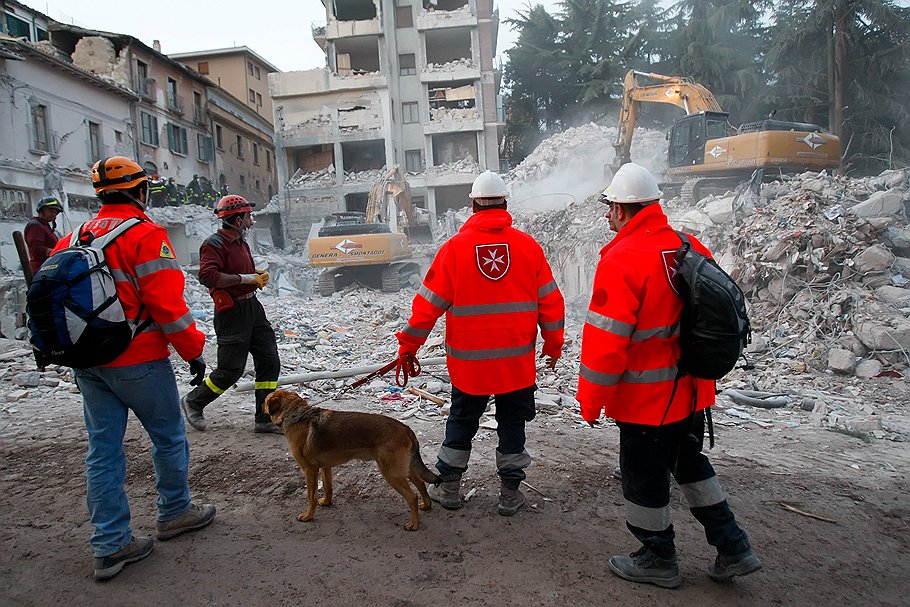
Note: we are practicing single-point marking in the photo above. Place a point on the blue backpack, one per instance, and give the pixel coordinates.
(74, 314)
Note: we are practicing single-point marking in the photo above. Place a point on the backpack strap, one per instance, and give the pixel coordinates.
(101, 242)
(76, 235)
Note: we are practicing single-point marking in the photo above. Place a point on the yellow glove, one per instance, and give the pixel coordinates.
(262, 278)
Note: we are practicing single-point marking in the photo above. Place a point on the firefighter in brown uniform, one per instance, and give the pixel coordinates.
(226, 268)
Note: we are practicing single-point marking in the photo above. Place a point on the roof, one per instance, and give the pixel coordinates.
(225, 51)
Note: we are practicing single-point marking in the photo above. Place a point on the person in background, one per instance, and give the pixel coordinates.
(40, 232)
(495, 287)
(226, 268)
(629, 350)
(150, 287)
(157, 191)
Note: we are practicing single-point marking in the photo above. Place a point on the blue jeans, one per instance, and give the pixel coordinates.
(149, 390)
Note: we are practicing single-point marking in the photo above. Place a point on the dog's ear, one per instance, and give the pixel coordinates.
(273, 402)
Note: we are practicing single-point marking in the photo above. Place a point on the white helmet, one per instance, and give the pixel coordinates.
(632, 183)
(488, 189)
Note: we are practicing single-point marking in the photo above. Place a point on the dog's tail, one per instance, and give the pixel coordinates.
(417, 463)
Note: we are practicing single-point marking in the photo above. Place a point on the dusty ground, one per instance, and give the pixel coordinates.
(357, 552)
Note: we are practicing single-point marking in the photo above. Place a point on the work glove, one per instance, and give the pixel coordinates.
(249, 279)
(197, 369)
(262, 278)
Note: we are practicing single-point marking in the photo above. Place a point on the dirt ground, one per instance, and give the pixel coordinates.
(357, 552)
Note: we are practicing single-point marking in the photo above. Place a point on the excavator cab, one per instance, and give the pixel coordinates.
(689, 134)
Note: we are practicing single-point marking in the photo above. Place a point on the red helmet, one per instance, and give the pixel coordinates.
(233, 204)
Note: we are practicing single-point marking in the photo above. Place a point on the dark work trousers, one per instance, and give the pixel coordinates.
(648, 455)
(513, 410)
(242, 330)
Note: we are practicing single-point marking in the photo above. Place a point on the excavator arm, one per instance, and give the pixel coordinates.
(676, 90)
(392, 187)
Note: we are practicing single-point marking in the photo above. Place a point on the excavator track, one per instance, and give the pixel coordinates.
(398, 275)
(325, 283)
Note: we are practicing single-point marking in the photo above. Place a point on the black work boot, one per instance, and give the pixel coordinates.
(193, 414)
(726, 567)
(446, 494)
(267, 427)
(510, 501)
(108, 566)
(646, 567)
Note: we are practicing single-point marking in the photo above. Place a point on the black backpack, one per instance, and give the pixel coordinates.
(714, 325)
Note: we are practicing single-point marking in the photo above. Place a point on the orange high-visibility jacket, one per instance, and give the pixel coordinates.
(495, 287)
(630, 342)
(146, 273)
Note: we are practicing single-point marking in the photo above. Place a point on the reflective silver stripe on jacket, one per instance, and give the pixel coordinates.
(703, 493)
(546, 289)
(135, 322)
(491, 353)
(611, 325)
(497, 308)
(121, 276)
(596, 377)
(661, 332)
(150, 267)
(180, 324)
(414, 331)
(456, 458)
(513, 461)
(553, 325)
(651, 376)
(650, 519)
(433, 298)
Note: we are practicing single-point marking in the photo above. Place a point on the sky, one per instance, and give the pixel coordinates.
(278, 31)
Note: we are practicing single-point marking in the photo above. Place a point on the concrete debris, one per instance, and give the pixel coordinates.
(465, 63)
(443, 114)
(323, 178)
(365, 176)
(465, 165)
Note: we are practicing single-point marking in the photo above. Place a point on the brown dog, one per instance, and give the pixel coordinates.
(320, 439)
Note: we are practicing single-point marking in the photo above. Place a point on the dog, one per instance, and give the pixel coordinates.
(320, 439)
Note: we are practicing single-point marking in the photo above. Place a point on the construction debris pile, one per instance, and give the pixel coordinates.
(465, 165)
(365, 176)
(444, 114)
(465, 63)
(322, 178)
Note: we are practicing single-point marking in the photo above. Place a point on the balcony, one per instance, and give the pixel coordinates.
(459, 69)
(335, 29)
(145, 87)
(175, 103)
(199, 114)
(460, 16)
(318, 30)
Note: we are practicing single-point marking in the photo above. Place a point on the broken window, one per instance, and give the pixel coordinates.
(407, 64)
(363, 155)
(452, 197)
(448, 45)
(455, 102)
(94, 141)
(354, 10)
(202, 67)
(452, 147)
(313, 158)
(17, 28)
(410, 113)
(444, 5)
(358, 55)
(356, 201)
(413, 161)
(41, 134)
(404, 17)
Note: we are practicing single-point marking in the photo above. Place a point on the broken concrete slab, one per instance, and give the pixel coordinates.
(880, 204)
(841, 361)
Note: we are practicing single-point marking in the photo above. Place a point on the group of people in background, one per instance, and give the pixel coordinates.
(167, 193)
(495, 287)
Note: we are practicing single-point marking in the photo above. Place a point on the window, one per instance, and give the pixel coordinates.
(268, 160)
(202, 67)
(197, 107)
(219, 137)
(258, 73)
(149, 129)
(252, 96)
(249, 67)
(118, 136)
(404, 17)
(176, 139)
(410, 113)
(413, 161)
(258, 186)
(41, 34)
(407, 65)
(258, 98)
(239, 147)
(142, 78)
(204, 143)
(243, 180)
(94, 141)
(17, 28)
(41, 136)
(255, 153)
(173, 99)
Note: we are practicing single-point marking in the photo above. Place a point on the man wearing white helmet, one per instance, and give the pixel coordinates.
(629, 352)
(495, 287)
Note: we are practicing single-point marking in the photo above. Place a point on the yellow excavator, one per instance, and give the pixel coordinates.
(371, 248)
(706, 151)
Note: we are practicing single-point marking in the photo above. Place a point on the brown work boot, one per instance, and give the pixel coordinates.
(108, 566)
(510, 501)
(196, 517)
(447, 494)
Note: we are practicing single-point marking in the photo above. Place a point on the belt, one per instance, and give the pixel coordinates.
(247, 296)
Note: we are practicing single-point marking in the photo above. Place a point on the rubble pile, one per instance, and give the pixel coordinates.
(443, 114)
(317, 179)
(465, 165)
(465, 63)
(366, 176)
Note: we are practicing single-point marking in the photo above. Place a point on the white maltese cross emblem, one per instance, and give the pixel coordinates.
(493, 260)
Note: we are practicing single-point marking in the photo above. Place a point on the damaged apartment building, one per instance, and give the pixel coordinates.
(409, 83)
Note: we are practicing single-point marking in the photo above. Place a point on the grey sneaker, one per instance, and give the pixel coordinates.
(196, 517)
(647, 568)
(193, 415)
(727, 567)
(510, 500)
(267, 428)
(447, 494)
(108, 566)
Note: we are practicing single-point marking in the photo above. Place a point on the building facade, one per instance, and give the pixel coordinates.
(407, 83)
(239, 71)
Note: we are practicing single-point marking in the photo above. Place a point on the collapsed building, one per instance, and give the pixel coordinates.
(407, 83)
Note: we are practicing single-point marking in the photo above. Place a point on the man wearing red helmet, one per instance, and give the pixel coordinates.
(226, 268)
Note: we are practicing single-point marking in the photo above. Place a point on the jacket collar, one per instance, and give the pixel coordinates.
(122, 211)
(647, 221)
(488, 221)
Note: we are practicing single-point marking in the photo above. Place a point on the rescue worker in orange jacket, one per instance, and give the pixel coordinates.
(630, 345)
(495, 287)
(150, 286)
